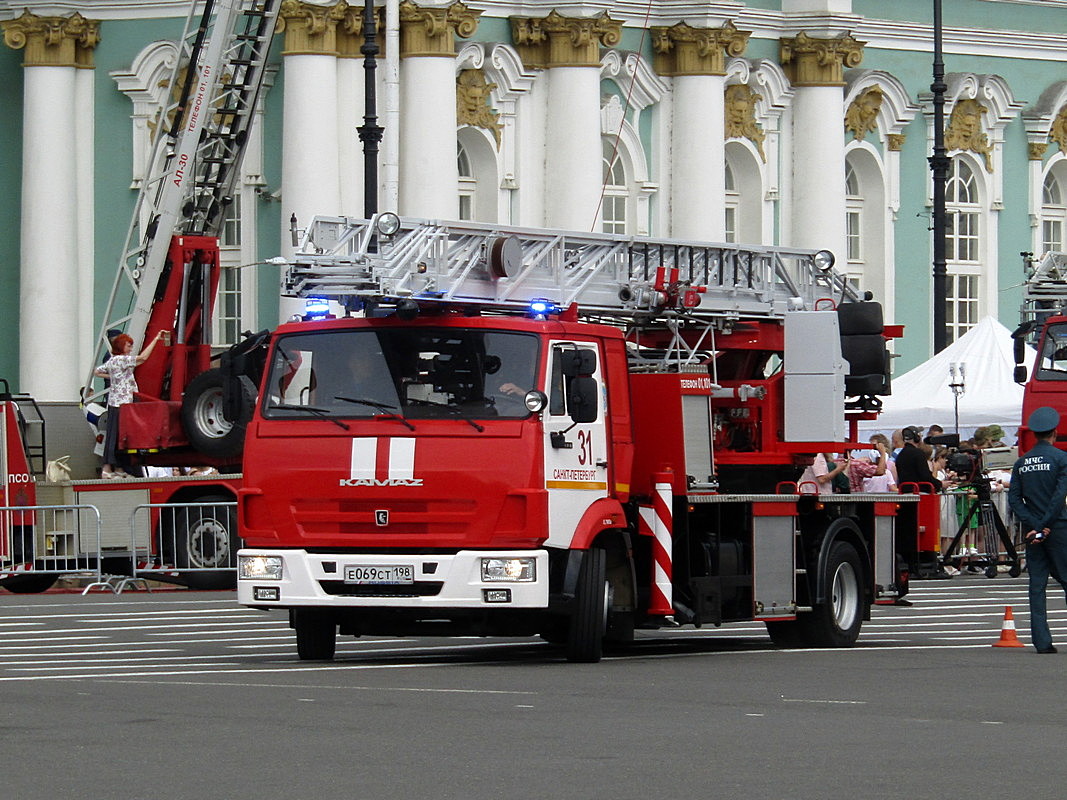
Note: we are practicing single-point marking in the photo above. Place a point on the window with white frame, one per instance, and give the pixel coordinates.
(733, 203)
(228, 316)
(616, 193)
(853, 225)
(1053, 214)
(962, 240)
(467, 183)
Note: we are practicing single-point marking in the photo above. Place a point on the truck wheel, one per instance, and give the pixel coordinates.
(316, 638)
(203, 539)
(836, 623)
(204, 422)
(29, 584)
(589, 620)
(786, 633)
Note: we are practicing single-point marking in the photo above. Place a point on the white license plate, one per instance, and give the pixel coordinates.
(379, 573)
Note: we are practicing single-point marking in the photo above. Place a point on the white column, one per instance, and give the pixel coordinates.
(49, 305)
(429, 177)
(350, 107)
(310, 180)
(85, 114)
(698, 159)
(573, 150)
(819, 170)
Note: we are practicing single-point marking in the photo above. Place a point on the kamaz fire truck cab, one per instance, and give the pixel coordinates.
(572, 435)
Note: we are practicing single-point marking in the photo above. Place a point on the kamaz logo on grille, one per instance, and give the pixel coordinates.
(382, 462)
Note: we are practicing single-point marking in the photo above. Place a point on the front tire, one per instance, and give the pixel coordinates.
(589, 620)
(316, 638)
(836, 622)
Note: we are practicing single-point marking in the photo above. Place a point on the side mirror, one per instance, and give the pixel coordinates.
(582, 399)
(578, 362)
(1020, 374)
(1018, 348)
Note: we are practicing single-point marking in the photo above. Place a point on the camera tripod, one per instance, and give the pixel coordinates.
(994, 533)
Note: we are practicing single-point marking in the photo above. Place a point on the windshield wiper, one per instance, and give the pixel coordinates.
(450, 408)
(389, 412)
(318, 412)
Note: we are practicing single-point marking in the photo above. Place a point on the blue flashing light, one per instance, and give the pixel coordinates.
(539, 309)
(316, 308)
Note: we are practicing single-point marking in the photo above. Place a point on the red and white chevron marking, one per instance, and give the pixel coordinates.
(657, 522)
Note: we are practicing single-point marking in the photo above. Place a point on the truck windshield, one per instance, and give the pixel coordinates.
(1052, 361)
(408, 373)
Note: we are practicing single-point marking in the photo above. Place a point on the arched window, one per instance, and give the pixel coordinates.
(853, 223)
(962, 232)
(616, 192)
(467, 183)
(733, 202)
(1053, 213)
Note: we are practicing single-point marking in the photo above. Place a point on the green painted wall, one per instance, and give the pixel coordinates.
(10, 209)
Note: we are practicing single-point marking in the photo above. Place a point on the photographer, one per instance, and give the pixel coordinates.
(1037, 494)
(913, 465)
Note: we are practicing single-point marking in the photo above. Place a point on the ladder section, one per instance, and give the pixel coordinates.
(1045, 292)
(196, 154)
(605, 274)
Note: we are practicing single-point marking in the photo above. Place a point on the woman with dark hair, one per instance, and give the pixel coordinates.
(118, 369)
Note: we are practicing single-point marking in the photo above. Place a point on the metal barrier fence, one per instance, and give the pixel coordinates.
(40, 543)
(191, 543)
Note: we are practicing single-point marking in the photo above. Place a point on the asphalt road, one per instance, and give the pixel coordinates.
(186, 695)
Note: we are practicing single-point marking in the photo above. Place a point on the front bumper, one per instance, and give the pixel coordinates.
(440, 581)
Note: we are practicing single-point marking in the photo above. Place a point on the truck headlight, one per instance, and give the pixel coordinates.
(260, 568)
(522, 570)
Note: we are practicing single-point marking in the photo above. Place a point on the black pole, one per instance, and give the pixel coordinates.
(370, 132)
(939, 164)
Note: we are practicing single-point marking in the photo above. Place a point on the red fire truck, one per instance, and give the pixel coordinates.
(502, 431)
(1043, 323)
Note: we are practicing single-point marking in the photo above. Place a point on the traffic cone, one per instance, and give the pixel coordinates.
(1007, 631)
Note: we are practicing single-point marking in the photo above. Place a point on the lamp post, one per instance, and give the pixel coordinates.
(939, 163)
(370, 132)
(958, 384)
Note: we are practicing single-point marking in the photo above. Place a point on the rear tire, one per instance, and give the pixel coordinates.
(316, 638)
(204, 540)
(29, 584)
(589, 620)
(836, 623)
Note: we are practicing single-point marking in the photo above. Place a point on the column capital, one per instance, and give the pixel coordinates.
(684, 50)
(819, 62)
(53, 41)
(432, 31)
(310, 29)
(350, 31)
(559, 41)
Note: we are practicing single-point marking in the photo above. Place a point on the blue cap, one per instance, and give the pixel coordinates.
(1043, 420)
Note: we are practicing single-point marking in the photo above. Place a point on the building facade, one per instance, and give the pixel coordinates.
(804, 123)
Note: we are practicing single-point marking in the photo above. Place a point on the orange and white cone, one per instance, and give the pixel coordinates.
(1007, 631)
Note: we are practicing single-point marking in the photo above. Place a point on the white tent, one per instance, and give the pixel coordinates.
(923, 396)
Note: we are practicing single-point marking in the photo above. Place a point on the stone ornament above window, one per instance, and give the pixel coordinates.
(964, 131)
(740, 106)
(862, 115)
(1058, 132)
(473, 96)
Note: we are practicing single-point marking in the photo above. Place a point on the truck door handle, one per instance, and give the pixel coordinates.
(603, 462)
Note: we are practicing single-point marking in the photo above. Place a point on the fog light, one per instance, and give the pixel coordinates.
(523, 570)
(260, 568)
(496, 595)
(266, 593)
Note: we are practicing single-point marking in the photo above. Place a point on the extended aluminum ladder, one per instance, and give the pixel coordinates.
(605, 274)
(200, 139)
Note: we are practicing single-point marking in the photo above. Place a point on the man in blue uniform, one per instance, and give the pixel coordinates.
(1037, 495)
